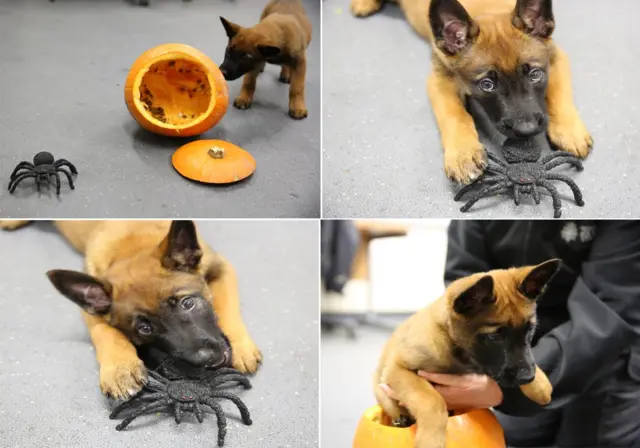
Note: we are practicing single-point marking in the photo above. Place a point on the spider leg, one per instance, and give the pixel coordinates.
(178, 412)
(498, 188)
(57, 178)
(482, 180)
(241, 379)
(21, 166)
(135, 400)
(516, 194)
(224, 371)
(553, 155)
(157, 377)
(63, 162)
(536, 194)
(577, 194)
(576, 163)
(142, 409)
(244, 411)
(14, 182)
(222, 420)
(68, 174)
(496, 159)
(198, 411)
(557, 204)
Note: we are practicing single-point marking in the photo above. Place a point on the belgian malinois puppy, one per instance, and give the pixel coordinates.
(500, 53)
(482, 324)
(281, 38)
(153, 284)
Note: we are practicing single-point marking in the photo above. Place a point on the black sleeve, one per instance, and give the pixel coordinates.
(604, 309)
(466, 253)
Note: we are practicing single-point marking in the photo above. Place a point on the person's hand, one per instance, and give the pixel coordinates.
(460, 392)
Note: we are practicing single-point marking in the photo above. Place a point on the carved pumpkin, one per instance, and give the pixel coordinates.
(176, 90)
(213, 162)
(478, 429)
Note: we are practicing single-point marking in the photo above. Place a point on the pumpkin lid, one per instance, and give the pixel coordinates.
(213, 162)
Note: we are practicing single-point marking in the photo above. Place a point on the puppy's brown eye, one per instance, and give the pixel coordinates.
(536, 75)
(144, 328)
(487, 85)
(188, 303)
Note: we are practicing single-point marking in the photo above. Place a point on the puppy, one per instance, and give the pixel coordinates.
(500, 53)
(153, 284)
(482, 324)
(281, 38)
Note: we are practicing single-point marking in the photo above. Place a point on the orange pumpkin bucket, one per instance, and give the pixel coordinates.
(176, 90)
(478, 429)
(213, 162)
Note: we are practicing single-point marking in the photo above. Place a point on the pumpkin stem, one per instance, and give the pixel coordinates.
(216, 152)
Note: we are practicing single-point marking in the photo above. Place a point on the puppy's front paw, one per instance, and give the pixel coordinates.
(568, 133)
(464, 160)
(242, 103)
(246, 356)
(364, 8)
(298, 113)
(122, 379)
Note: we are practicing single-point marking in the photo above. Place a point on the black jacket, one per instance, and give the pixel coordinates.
(590, 314)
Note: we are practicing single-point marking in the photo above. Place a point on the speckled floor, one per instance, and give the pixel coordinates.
(381, 149)
(63, 67)
(48, 373)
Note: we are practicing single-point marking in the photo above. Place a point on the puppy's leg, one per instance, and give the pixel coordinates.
(244, 100)
(297, 107)
(9, 224)
(285, 75)
(394, 413)
(566, 130)
(464, 155)
(424, 403)
(364, 8)
(246, 356)
(540, 389)
(122, 373)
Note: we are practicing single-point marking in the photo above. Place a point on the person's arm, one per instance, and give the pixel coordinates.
(466, 252)
(604, 309)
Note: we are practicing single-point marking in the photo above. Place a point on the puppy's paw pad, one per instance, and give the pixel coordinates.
(242, 103)
(246, 356)
(571, 135)
(122, 380)
(298, 114)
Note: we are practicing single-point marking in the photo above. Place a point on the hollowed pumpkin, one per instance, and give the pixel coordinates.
(176, 90)
(478, 429)
(213, 162)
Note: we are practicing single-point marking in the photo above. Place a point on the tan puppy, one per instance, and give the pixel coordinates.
(281, 38)
(482, 324)
(155, 284)
(500, 54)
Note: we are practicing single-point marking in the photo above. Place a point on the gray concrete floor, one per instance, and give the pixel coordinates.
(381, 151)
(63, 67)
(48, 372)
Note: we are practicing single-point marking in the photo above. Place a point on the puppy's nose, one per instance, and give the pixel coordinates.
(203, 357)
(223, 70)
(523, 375)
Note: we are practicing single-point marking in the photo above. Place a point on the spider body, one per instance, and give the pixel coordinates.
(187, 395)
(44, 167)
(524, 172)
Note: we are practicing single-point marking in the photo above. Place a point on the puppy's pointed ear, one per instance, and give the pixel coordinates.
(476, 298)
(534, 17)
(230, 27)
(536, 280)
(452, 27)
(180, 248)
(87, 292)
(268, 51)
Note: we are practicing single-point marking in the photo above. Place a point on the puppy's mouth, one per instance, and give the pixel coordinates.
(224, 361)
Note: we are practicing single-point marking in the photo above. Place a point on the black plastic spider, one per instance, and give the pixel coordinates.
(523, 172)
(188, 395)
(43, 167)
